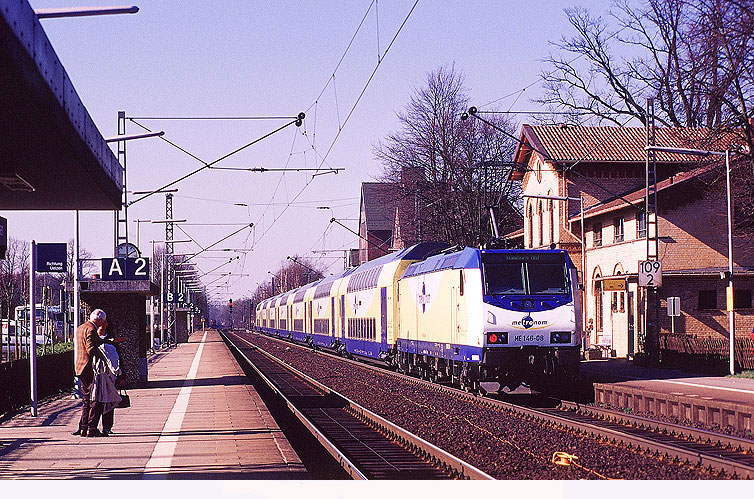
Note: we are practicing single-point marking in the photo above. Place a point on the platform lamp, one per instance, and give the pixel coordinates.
(59, 12)
(138, 230)
(729, 290)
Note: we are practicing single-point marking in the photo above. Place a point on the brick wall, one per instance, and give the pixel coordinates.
(696, 236)
(710, 323)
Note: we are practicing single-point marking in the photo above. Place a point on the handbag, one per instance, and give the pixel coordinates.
(125, 401)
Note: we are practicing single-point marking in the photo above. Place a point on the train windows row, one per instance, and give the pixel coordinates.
(362, 329)
(323, 290)
(364, 280)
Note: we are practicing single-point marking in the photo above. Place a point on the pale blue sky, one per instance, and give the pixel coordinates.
(251, 58)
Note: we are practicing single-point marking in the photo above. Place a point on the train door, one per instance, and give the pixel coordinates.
(343, 317)
(631, 328)
(454, 311)
(418, 309)
(383, 316)
(311, 319)
(332, 316)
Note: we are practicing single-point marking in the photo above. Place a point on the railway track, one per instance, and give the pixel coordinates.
(719, 453)
(364, 444)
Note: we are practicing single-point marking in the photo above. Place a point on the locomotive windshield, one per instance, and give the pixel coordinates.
(525, 273)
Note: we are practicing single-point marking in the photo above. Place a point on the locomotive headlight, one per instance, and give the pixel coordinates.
(499, 338)
(491, 319)
(560, 337)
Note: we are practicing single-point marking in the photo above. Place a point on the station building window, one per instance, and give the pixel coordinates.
(598, 323)
(618, 226)
(641, 225)
(707, 299)
(741, 298)
(530, 217)
(597, 234)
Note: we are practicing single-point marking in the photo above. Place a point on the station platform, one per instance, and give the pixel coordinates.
(196, 418)
(717, 400)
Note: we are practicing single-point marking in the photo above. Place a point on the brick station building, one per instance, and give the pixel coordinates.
(606, 166)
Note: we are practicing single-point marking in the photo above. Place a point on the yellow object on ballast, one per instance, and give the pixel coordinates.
(563, 458)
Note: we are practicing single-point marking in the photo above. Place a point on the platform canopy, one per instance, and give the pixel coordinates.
(52, 157)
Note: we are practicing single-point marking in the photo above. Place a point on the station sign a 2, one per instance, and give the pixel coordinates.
(125, 269)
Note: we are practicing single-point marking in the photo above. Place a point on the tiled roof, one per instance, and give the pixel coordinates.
(613, 144)
(637, 197)
(379, 199)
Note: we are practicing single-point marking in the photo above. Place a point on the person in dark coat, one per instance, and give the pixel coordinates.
(87, 346)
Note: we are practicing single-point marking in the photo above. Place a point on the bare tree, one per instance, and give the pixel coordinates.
(86, 264)
(14, 276)
(294, 272)
(694, 57)
(449, 171)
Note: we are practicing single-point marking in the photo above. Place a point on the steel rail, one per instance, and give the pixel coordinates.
(721, 439)
(660, 438)
(421, 447)
(331, 448)
(713, 442)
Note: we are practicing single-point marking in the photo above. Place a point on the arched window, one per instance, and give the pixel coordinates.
(551, 210)
(598, 321)
(530, 218)
(541, 223)
(619, 297)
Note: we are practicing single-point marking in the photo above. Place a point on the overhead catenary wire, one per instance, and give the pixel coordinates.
(264, 169)
(212, 224)
(209, 118)
(525, 88)
(221, 158)
(314, 201)
(217, 242)
(366, 86)
(536, 113)
(341, 126)
(342, 56)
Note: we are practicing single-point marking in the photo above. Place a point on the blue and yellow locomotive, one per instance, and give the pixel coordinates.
(458, 315)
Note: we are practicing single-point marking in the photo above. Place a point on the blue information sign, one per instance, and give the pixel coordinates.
(52, 257)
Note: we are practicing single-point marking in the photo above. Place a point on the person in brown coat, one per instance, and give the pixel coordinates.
(87, 343)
